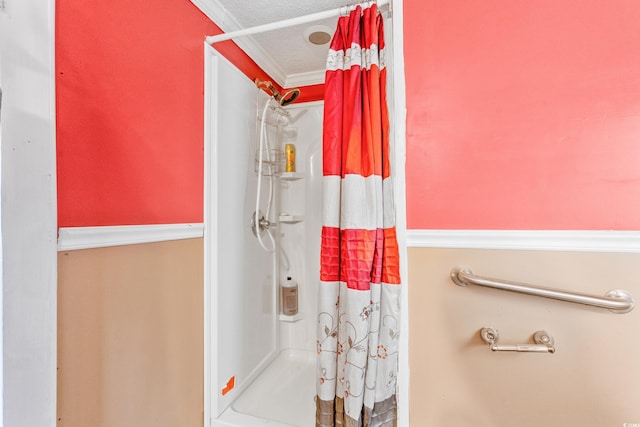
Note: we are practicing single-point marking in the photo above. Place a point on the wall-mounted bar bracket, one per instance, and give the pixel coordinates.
(543, 342)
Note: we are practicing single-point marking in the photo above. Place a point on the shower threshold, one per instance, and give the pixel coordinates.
(281, 396)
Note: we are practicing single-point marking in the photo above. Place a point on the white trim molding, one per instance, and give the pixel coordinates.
(546, 240)
(74, 238)
(305, 79)
(29, 214)
(396, 92)
(217, 13)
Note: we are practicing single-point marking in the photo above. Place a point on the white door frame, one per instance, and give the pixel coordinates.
(29, 212)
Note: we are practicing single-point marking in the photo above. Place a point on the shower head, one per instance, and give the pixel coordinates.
(283, 98)
(288, 96)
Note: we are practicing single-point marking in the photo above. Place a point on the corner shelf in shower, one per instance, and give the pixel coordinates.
(294, 318)
(291, 176)
(290, 219)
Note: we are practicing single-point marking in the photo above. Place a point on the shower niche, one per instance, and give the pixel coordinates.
(259, 363)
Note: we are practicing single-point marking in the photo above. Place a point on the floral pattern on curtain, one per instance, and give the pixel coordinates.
(359, 303)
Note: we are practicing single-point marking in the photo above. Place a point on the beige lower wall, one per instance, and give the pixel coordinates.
(593, 380)
(130, 339)
(130, 336)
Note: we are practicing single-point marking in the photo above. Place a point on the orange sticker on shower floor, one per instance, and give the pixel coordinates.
(230, 385)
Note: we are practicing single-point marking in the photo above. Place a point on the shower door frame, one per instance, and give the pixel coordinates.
(397, 107)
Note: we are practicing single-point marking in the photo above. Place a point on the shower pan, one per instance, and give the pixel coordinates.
(263, 224)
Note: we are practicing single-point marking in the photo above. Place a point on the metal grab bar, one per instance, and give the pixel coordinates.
(543, 342)
(617, 301)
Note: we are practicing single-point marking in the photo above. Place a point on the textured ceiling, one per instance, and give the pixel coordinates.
(286, 55)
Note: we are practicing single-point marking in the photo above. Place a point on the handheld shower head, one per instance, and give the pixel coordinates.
(283, 98)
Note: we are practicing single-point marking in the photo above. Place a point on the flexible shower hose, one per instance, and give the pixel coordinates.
(263, 141)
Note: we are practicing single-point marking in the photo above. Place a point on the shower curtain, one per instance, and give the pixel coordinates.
(359, 303)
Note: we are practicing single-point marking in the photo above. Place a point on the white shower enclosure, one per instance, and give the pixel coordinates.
(259, 364)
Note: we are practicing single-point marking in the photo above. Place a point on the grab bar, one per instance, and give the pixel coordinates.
(543, 342)
(617, 301)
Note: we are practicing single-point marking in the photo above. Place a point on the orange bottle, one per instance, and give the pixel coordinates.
(290, 158)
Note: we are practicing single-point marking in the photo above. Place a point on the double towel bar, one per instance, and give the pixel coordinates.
(617, 301)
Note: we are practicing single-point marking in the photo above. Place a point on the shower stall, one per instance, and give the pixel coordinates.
(260, 363)
(262, 225)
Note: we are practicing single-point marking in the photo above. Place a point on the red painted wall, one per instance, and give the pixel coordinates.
(520, 115)
(523, 115)
(129, 111)
(129, 83)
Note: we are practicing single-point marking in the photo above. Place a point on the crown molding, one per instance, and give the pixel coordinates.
(227, 23)
(305, 79)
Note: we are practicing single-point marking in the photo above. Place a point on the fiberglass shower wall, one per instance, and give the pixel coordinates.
(245, 331)
(300, 240)
(239, 280)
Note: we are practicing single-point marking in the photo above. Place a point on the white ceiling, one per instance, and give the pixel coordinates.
(286, 55)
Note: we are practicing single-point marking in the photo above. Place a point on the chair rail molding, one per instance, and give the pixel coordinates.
(74, 238)
(544, 240)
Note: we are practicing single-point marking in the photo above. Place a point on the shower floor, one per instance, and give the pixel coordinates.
(282, 396)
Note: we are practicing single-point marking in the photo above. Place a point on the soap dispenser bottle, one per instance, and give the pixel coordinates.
(289, 289)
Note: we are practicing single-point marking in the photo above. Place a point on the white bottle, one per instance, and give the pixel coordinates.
(289, 289)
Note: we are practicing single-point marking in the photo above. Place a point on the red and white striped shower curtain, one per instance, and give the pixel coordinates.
(359, 303)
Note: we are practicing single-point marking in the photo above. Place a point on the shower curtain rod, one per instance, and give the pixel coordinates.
(291, 22)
